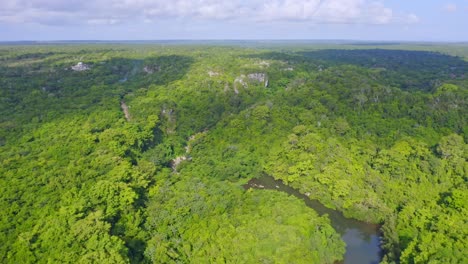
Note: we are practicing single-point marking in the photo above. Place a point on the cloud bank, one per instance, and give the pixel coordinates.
(108, 12)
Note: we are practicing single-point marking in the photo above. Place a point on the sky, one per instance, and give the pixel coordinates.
(380, 20)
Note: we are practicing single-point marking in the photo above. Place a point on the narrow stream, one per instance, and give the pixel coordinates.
(362, 239)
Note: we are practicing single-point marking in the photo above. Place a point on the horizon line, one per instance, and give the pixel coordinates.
(237, 40)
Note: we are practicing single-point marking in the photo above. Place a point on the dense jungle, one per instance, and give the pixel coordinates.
(141, 153)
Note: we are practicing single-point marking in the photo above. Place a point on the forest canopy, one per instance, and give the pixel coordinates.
(114, 153)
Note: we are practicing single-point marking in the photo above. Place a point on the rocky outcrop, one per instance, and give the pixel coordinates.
(265, 64)
(175, 162)
(240, 81)
(151, 69)
(259, 77)
(80, 66)
(257, 186)
(213, 73)
(191, 140)
(125, 110)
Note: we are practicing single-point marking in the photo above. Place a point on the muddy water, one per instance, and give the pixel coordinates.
(362, 239)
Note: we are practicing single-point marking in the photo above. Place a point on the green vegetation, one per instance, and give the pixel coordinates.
(379, 134)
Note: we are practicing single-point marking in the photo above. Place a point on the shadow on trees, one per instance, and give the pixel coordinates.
(408, 70)
(405, 69)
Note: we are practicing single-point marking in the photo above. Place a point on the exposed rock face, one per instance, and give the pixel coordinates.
(125, 110)
(191, 139)
(213, 73)
(148, 70)
(175, 162)
(80, 66)
(259, 77)
(252, 77)
(240, 80)
(151, 69)
(264, 64)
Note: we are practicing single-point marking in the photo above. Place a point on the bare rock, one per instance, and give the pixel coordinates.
(177, 161)
(125, 110)
(264, 64)
(213, 73)
(151, 69)
(80, 66)
(259, 77)
(240, 80)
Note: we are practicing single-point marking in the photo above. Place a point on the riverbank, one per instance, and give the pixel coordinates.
(363, 240)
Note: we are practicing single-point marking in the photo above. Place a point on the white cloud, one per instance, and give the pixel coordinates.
(339, 11)
(289, 10)
(450, 7)
(205, 9)
(99, 12)
(102, 21)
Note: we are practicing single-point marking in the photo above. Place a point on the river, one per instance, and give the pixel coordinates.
(362, 239)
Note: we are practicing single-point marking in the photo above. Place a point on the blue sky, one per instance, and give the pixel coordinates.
(407, 20)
